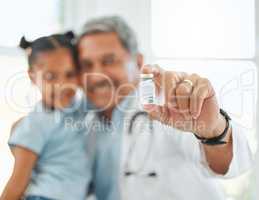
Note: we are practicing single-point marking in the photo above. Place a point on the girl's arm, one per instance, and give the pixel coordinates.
(24, 162)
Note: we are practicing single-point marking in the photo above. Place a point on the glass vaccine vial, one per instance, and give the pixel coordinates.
(147, 90)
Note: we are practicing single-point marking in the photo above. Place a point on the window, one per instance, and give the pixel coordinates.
(30, 18)
(203, 28)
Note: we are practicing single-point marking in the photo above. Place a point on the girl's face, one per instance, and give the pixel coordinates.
(54, 73)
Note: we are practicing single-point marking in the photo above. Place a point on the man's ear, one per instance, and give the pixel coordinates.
(32, 76)
(140, 60)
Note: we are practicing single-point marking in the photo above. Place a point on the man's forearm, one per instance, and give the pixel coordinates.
(219, 157)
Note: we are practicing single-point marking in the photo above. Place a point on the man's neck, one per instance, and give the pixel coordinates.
(107, 114)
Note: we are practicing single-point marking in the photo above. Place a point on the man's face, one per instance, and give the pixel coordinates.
(107, 69)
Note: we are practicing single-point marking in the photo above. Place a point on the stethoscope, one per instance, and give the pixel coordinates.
(140, 170)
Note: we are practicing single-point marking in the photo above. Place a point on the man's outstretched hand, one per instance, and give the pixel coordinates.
(190, 102)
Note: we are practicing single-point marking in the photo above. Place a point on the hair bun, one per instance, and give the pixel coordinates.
(70, 35)
(24, 44)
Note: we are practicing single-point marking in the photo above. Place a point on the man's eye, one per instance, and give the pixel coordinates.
(108, 61)
(71, 74)
(86, 65)
(49, 76)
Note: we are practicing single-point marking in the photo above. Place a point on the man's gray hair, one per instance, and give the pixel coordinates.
(113, 24)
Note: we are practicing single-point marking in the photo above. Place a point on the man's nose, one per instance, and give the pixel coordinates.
(98, 73)
(62, 79)
(98, 68)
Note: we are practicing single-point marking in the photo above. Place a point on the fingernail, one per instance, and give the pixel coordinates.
(195, 115)
(149, 106)
(187, 117)
(155, 70)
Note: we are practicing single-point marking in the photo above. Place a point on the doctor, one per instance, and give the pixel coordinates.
(179, 149)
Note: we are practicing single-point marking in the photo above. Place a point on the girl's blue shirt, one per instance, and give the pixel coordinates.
(60, 139)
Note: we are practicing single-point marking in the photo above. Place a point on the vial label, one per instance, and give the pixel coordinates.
(147, 92)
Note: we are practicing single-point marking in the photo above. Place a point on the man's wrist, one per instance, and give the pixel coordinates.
(221, 125)
(220, 134)
(219, 128)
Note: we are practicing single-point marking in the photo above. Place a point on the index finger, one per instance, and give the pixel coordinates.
(152, 69)
(157, 73)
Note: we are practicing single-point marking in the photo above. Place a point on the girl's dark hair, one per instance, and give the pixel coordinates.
(49, 43)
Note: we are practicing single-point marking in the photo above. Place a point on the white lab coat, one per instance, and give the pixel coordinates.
(178, 159)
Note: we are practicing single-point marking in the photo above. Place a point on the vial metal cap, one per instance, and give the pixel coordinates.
(146, 75)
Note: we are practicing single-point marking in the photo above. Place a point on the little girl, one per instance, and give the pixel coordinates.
(52, 159)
